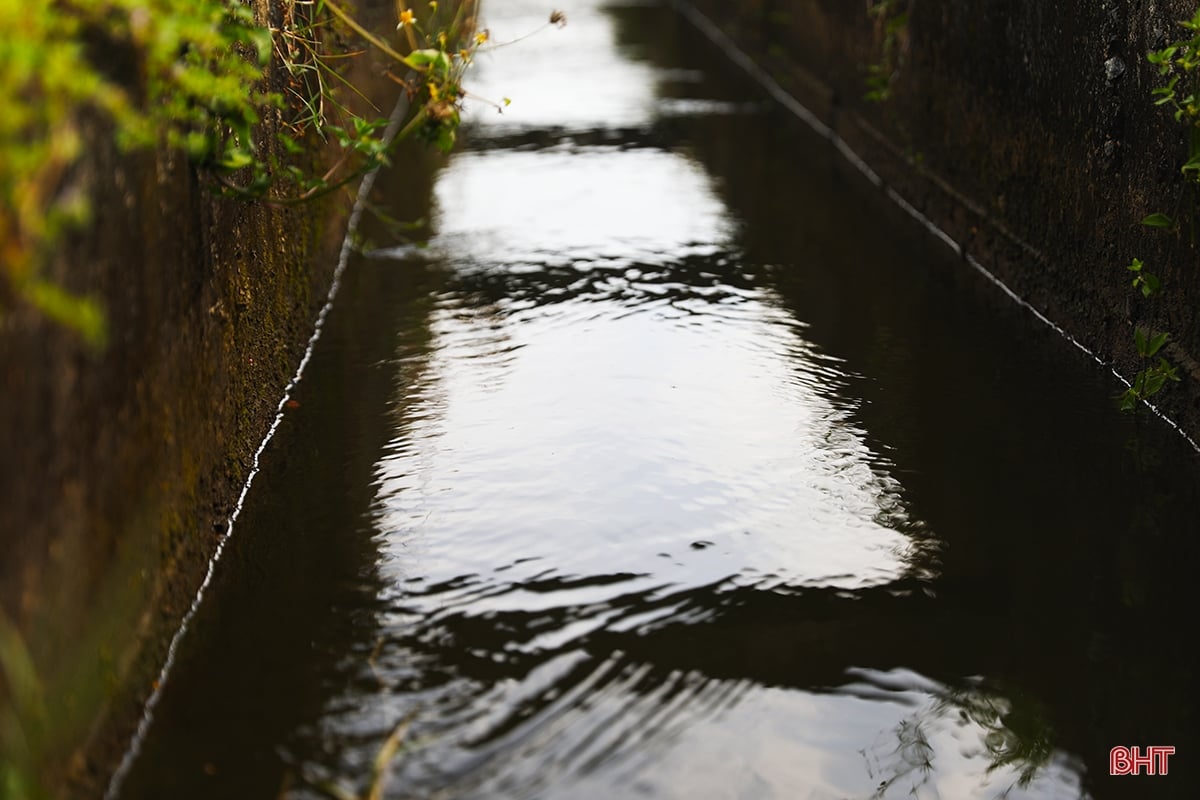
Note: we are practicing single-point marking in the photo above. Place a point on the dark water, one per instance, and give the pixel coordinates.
(681, 465)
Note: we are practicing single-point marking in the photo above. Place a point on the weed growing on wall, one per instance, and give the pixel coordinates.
(199, 87)
(1179, 62)
(197, 64)
(436, 49)
(891, 24)
(1151, 380)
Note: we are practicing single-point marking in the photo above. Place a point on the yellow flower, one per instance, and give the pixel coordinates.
(406, 18)
(481, 37)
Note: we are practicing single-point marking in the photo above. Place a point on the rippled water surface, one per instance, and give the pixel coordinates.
(680, 465)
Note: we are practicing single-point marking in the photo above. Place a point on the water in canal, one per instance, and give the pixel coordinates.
(682, 465)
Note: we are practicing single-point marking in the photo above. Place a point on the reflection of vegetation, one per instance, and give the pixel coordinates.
(914, 757)
(1015, 737)
(380, 767)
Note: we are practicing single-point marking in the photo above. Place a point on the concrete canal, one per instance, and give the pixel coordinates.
(682, 464)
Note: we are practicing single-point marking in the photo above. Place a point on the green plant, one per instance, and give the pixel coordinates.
(194, 61)
(1152, 379)
(440, 50)
(1180, 61)
(1145, 282)
(891, 25)
(200, 86)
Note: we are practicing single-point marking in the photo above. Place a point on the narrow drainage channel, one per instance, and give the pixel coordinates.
(681, 464)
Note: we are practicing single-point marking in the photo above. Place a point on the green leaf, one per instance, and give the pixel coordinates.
(234, 160)
(1149, 284)
(895, 24)
(364, 127)
(290, 144)
(1153, 383)
(339, 133)
(198, 146)
(1158, 220)
(1156, 342)
(1159, 56)
(1166, 369)
(430, 58)
(445, 138)
(83, 314)
(1135, 265)
(261, 39)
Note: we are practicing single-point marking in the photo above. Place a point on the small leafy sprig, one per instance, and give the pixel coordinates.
(202, 67)
(439, 51)
(1151, 380)
(430, 65)
(891, 23)
(1181, 60)
(1146, 282)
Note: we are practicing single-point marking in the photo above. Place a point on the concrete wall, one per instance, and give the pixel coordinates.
(1028, 133)
(119, 468)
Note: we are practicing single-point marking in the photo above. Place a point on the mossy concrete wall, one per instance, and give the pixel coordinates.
(119, 468)
(1027, 132)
